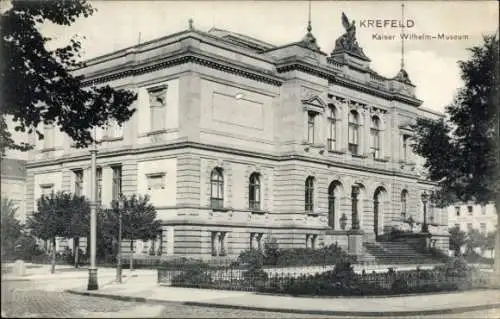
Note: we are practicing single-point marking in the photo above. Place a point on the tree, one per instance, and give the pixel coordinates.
(475, 239)
(462, 152)
(77, 221)
(57, 216)
(10, 226)
(138, 221)
(38, 85)
(457, 240)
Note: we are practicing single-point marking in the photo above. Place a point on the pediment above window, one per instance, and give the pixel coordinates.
(314, 103)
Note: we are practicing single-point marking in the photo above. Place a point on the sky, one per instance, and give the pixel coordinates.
(431, 64)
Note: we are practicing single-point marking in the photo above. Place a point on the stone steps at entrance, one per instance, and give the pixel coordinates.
(398, 253)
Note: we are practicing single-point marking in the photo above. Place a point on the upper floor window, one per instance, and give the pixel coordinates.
(309, 194)
(254, 191)
(311, 122)
(375, 137)
(483, 227)
(217, 188)
(405, 151)
(404, 201)
(332, 135)
(470, 209)
(157, 107)
(457, 210)
(117, 182)
(353, 132)
(99, 185)
(113, 130)
(49, 136)
(78, 182)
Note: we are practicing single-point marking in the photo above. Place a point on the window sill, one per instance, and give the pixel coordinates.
(112, 139)
(49, 149)
(220, 209)
(258, 211)
(336, 152)
(382, 160)
(358, 156)
(157, 132)
(312, 214)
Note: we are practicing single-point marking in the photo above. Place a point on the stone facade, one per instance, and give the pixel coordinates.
(216, 108)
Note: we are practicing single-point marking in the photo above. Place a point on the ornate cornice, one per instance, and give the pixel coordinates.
(183, 56)
(306, 68)
(383, 94)
(129, 150)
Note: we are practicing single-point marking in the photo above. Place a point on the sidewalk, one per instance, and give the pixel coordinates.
(425, 304)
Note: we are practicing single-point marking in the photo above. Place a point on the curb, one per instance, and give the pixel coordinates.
(294, 311)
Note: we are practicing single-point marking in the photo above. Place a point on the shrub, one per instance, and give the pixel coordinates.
(195, 275)
(251, 259)
(271, 251)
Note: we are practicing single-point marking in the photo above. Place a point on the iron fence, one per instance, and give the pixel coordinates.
(237, 277)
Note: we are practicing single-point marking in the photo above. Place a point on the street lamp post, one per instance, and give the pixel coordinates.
(425, 198)
(121, 206)
(92, 282)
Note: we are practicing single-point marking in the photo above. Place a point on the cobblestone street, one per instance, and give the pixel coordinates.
(21, 299)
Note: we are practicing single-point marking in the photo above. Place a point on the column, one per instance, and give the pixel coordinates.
(305, 125)
(366, 133)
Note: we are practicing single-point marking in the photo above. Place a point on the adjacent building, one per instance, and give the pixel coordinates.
(13, 183)
(473, 216)
(237, 140)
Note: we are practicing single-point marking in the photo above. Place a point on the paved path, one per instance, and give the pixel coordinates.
(386, 306)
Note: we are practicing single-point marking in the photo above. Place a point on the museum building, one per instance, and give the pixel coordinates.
(237, 140)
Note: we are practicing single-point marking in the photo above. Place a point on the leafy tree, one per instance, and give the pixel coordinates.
(489, 243)
(57, 216)
(10, 226)
(138, 221)
(475, 239)
(457, 239)
(77, 221)
(462, 152)
(38, 85)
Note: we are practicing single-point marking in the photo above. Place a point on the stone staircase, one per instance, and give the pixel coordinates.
(398, 253)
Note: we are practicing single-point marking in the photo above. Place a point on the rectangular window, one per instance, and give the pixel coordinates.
(78, 182)
(117, 182)
(457, 226)
(483, 227)
(48, 136)
(156, 181)
(99, 185)
(353, 139)
(457, 210)
(113, 130)
(469, 226)
(405, 150)
(470, 209)
(375, 143)
(157, 107)
(310, 127)
(46, 189)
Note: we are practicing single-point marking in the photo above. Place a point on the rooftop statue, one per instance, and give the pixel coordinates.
(348, 42)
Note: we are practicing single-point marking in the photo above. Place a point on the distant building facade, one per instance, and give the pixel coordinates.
(13, 183)
(473, 216)
(236, 140)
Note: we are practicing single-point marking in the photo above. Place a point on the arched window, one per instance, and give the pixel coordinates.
(331, 205)
(404, 199)
(217, 188)
(375, 137)
(353, 132)
(332, 136)
(254, 191)
(309, 194)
